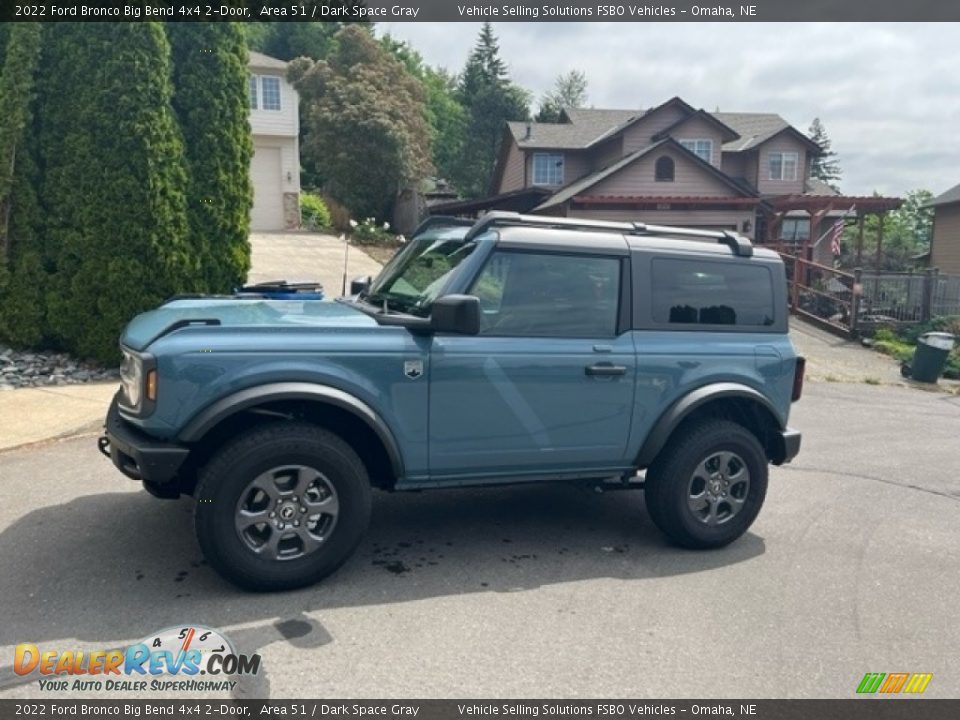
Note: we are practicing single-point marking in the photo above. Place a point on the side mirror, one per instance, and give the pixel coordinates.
(359, 284)
(456, 314)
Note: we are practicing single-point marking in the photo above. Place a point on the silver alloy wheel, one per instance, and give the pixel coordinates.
(718, 488)
(287, 512)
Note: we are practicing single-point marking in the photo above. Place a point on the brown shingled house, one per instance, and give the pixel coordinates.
(945, 246)
(672, 164)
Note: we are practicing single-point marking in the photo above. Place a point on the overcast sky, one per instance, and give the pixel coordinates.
(888, 95)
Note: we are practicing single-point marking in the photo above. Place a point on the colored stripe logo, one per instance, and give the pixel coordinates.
(893, 683)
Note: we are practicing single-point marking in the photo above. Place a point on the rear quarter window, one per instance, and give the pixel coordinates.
(703, 293)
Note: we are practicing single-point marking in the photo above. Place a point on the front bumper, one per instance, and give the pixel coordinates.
(141, 457)
(787, 446)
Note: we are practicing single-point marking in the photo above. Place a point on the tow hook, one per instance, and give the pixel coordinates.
(103, 445)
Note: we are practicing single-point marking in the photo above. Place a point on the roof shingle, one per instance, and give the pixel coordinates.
(950, 196)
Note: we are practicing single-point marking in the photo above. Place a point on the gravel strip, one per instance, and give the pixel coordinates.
(40, 369)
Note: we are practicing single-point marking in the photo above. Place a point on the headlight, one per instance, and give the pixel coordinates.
(131, 377)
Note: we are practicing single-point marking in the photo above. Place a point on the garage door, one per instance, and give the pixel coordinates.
(267, 213)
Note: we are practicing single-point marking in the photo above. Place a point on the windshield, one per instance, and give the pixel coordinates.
(414, 278)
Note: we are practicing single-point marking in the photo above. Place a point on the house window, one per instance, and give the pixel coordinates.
(795, 230)
(783, 165)
(547, 169)
(663, 172)
(264, 91)
(703, 149)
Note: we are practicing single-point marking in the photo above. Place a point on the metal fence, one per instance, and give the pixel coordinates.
(843, 301)
(946, 295)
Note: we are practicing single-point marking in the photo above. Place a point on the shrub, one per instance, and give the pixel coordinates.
(369, 232)
(339, 214)
(212, 109)
(313, 210)
(112, 185)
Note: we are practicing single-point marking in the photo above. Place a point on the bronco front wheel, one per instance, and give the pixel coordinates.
(281, 506)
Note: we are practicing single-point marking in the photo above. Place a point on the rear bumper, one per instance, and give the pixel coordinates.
(141, 457)
(787, 446)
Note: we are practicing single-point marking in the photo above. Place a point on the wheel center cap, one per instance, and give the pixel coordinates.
(288, 511)
(715, 487)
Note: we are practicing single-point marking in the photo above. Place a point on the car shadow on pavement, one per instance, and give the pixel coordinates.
(104, 569)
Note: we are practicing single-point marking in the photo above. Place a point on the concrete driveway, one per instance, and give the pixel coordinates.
(853, 566)
(307, 256)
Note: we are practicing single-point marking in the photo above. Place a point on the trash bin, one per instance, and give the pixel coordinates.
(931, 356)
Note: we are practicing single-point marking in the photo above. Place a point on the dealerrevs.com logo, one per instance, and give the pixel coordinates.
(177, 659)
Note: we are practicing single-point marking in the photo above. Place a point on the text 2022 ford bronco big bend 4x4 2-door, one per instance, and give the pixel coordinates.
(514, 349)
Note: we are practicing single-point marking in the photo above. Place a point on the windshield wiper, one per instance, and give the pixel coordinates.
(387, 303)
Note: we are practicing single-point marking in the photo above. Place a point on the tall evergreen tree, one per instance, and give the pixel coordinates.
(491, 100)
(112, 184)
(364, 120)
(16, 93)
(569, 90)
(22, 272)
(211, 104)
(824, 167)
(484, 66)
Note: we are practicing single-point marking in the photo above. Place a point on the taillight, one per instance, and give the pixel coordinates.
(798, 379)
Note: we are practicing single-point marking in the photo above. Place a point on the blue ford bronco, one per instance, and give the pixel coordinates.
(511, 349)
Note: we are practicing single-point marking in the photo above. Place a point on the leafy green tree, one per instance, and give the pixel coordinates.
(290, 40)
(16, 93)
(445, 116)
(569, 90)
(824, 167)
(111, 191)
(211, 105)
(364, 120)
(906, 235)
(490, 100)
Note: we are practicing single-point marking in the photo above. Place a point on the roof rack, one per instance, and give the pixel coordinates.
(500, 218)
(441, 221)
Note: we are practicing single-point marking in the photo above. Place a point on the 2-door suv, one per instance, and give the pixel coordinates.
(513, 349)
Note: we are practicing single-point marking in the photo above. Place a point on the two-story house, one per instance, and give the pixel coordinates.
(275, 123)
(672, 164)
(945, 245)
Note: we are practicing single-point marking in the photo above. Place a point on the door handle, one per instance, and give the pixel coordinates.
(605, 370)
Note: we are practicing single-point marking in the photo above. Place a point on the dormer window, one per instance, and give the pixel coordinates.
(264, 91)
(547, 169)
(783, 165)
(703, 149)
(664, 169)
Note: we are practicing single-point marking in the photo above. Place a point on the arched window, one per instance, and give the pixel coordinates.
(664, 169)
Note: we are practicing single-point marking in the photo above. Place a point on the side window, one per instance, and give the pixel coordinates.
(546, 295)
(689, 292)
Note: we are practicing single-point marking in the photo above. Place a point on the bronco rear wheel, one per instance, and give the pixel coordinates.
(281, 506)
(708, 484)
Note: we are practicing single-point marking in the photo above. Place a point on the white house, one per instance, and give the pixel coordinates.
(275, 169)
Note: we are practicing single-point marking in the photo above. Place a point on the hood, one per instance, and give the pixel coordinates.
(148, 326)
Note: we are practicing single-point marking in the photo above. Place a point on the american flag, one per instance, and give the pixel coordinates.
(836, 232)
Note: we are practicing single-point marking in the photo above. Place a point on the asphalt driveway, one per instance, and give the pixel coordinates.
(853, 566)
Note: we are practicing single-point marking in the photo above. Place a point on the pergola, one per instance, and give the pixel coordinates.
(818, 207)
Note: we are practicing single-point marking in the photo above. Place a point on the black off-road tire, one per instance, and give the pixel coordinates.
(226, 477)
(667, 486)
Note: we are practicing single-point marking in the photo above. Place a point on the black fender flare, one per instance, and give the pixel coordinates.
(227, 406)
(681, 409)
